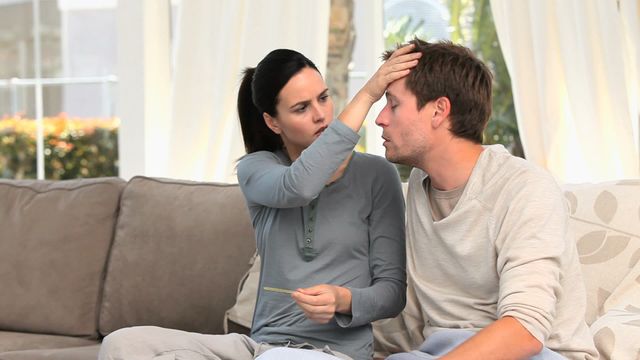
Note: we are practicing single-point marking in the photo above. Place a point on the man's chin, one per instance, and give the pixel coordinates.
(391, 157)
(394, 158)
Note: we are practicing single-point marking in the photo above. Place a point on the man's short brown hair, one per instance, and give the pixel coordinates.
(453, 71)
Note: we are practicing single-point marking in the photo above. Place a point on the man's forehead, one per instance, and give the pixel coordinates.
(398, 88)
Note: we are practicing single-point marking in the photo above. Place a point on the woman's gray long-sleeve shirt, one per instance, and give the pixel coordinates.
(354, 228)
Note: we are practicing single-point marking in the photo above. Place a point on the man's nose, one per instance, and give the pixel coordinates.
(381, 120)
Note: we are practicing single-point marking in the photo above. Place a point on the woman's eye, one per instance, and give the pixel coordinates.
(301, 109)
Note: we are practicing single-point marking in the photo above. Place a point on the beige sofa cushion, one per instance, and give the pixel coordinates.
(605, 218)
(71, 353)
(54, 241)
(16, 341)
(179, 252)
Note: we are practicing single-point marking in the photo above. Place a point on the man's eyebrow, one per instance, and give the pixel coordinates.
(389, 95)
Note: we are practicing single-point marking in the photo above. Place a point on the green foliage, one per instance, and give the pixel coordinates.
(483, 40)
(73, 149)
(401, 30)
(472, 25)
(88, 156)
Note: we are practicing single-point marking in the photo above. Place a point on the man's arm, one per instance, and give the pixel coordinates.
(505, 339)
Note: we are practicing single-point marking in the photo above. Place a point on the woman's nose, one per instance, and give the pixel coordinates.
(318, 113)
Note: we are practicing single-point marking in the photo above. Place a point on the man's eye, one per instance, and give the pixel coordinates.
(324, 97)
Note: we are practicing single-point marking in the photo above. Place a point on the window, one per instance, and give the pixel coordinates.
(57, 89)
(468, 22)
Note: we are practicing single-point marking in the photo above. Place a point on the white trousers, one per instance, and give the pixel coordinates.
(150, 342)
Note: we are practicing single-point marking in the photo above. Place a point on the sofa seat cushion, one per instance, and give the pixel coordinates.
(13, 341)
(54, 242)
(179, 251)
(73, 353)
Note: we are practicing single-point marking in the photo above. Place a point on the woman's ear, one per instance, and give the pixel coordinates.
(271, 123)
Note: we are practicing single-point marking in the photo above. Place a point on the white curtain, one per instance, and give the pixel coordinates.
(214, 41)
(574, 73)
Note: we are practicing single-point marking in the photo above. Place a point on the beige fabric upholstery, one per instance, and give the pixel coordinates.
(71, 353)
(617, 334)
(606, 221)
(45, 287)
(14, 341)
(242, 311)
(179, 247)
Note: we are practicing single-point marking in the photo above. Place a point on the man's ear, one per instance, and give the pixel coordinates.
(441, 111)
(271, 123)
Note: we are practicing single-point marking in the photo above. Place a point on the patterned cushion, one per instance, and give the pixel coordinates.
(616, 333)
(605, 219)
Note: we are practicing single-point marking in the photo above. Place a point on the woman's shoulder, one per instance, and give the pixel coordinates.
(375, 168)
(373, 162)
(262, 155)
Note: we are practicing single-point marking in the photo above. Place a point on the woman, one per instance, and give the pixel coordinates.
(329, 224)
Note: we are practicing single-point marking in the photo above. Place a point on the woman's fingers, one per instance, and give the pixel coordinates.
(403, 50)
(403, 62)
(317, 303)
(405, 58)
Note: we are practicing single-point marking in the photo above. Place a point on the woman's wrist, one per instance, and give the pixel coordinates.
(344, 300)
(356, 110)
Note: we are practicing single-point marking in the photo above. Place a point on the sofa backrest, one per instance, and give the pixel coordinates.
(54, 242)
(179, 251)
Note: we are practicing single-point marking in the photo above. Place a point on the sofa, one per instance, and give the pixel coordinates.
(80, 259)
(605, 221)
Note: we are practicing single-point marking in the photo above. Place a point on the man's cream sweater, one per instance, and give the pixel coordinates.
(504, 250)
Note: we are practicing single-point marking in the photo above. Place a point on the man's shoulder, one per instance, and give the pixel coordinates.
(499, 166)
(502, 177)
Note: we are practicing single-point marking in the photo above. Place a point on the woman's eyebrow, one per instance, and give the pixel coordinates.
(303, 102)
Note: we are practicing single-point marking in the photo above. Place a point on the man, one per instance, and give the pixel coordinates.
(492, 271)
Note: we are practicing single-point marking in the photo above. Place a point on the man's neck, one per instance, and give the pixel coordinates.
(450, 165)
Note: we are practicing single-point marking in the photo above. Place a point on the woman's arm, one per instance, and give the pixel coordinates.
(266, 181)
(269, 181)
(386, 297)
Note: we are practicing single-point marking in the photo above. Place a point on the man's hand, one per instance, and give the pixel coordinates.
(320, 303)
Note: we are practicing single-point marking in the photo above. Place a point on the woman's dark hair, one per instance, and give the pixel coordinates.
(258, 94)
